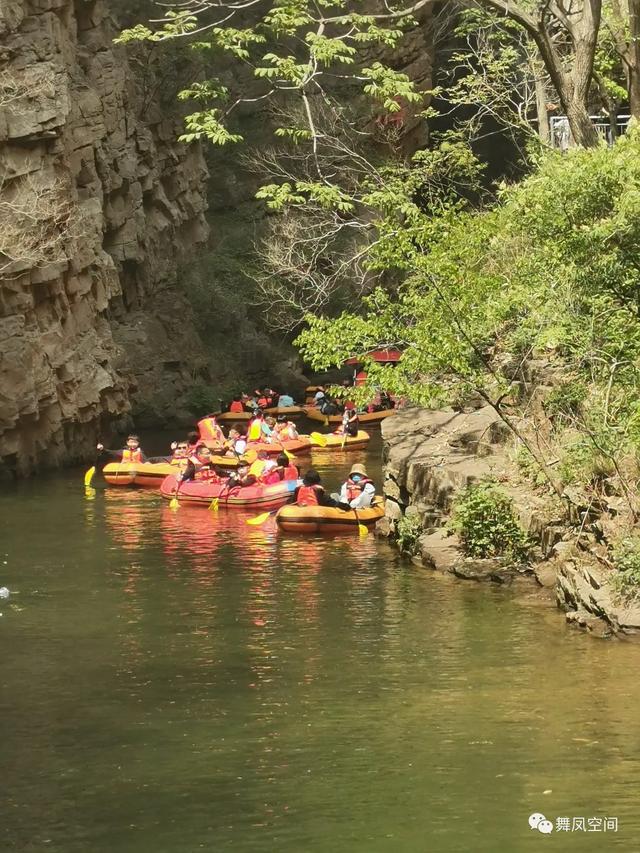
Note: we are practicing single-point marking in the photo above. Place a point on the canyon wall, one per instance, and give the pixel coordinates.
(98, 206)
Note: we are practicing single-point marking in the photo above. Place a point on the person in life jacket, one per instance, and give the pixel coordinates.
(200, 467)
(210, 431)
(283, 470)
(285, 430)
(311, 492)
(357, 492)
(236, 443)
(236, 404)
(241, 478)
(350, 423)
(262, 466)
(263, 398)
(131, 453)
(258, 429)
(180, 453)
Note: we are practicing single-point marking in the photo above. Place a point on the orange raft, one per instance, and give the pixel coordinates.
(295, 446)
(326, 519)
(335, 442)
(203, 492)
(232, 417)
(150, 474)
(365, 417)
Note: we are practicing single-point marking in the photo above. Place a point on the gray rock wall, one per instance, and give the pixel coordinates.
(88, 313)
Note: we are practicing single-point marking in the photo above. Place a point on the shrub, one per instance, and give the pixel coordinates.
(408, 532)
(565, 399)
(626, 558)
(484, 518)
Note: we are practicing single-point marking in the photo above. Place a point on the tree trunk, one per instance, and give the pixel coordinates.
(543, 115)
(633, 64)
(633, 78)
(584, 133)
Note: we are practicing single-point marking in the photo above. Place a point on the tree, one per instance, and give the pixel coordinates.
(300, 49)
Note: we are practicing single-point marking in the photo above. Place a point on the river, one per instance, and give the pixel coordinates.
(172, 682)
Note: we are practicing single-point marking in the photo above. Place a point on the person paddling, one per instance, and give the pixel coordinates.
(350, 423)
(200, 467)
(357, 492)
(131, 453)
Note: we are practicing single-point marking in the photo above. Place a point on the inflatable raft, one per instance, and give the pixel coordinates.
(296, 446)
(287, 411)
(203, 492)
(326, 519)
(150, 474)
(334, 442)
(365, 417)
(233, 417)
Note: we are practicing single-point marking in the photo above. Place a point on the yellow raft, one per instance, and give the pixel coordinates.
(335, 442)
(364, 417)
(150, 475)
(326, 519)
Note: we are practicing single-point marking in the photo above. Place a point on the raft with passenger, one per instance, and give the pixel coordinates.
(203, 492)
(333, 442)
(233, 417)
(151, 474)
(364, 417)
(287, 411)
(327, 519)
(293, 446)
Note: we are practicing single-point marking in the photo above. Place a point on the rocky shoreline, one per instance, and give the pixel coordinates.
(430, 456)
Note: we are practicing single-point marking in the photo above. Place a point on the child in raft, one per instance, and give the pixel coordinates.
(284, 430)
(131, 453)
(311, 492)
(283, 470)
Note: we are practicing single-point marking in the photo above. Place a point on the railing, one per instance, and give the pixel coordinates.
(561, 133)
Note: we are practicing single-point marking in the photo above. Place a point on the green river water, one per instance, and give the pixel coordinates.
(177, 682)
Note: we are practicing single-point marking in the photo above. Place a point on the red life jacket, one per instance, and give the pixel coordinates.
(263, 402)
(236, 406)
(207, 473)
(354, 490)
(291, 472)
(132, 455)
(308, 496)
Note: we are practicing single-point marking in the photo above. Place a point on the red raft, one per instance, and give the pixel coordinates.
(203, 492)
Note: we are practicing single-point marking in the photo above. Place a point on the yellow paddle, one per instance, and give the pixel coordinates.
(174, 503)
(362, 530)
(88, 477)
(260, 519)
(214, 505)
(318, 439)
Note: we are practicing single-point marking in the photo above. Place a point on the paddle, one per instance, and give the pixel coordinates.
(344, 437)
(215, 503)
(88, 477)
(362, 530)
(174, 502)
(318, 439)
(260, 519)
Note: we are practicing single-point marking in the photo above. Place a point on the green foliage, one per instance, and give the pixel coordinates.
(626, 558)
(485, 521)
(583, 462)
(408, 533)
(565, 400)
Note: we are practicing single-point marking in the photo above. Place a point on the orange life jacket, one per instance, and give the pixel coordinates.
(354, 490)
(291, 472)
(236, 406)
(210, 431)
(132, 455)
(308, 496)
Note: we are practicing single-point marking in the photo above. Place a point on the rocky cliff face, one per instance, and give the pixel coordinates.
(430, 456)
(98, 204)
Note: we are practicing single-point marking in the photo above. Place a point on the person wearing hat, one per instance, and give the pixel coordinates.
(358, 491)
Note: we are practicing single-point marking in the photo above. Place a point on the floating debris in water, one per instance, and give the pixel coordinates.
(4, 592)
